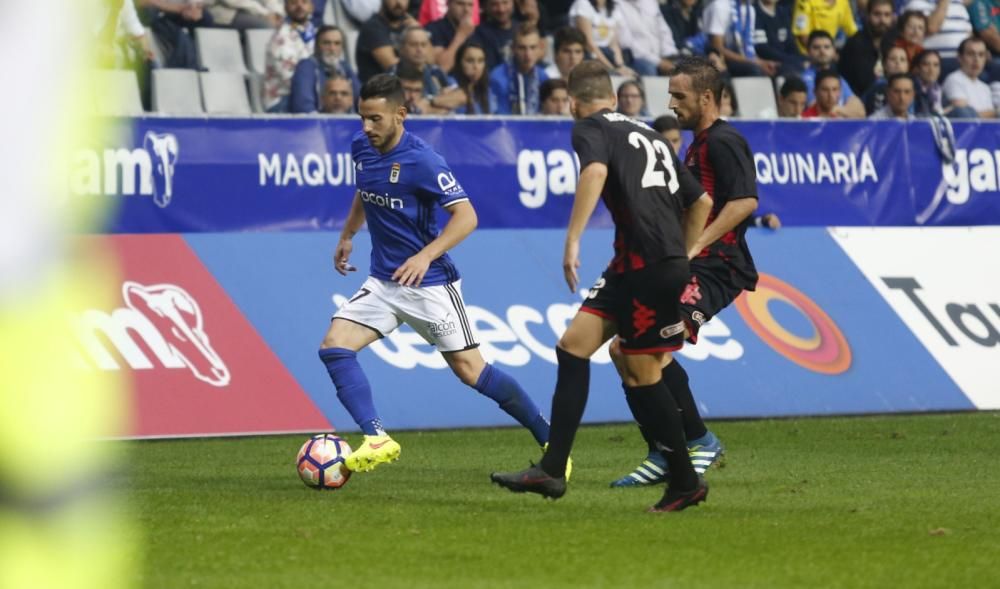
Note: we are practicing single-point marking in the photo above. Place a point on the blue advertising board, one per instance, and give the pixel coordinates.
(815, 339)
(175, 175)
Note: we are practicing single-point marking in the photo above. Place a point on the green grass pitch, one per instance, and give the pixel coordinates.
(905, 501)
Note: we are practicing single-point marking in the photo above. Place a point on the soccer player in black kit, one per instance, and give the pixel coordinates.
(659, 210)
(721, 265)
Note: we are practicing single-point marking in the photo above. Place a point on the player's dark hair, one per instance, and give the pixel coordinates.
(549, 86)
(965, 43)
(873, 3)
(793, 84)
(704, 76)
(383, 86)
(569, 36)
(824, 75)
(666, 123)
(894, 77)
(589, 81)
(818, 34)
(480, 89)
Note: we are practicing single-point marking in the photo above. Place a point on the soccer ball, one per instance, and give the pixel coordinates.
(321, 462)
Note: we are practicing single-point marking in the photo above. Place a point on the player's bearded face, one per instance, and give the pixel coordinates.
(382, 122)
(686, 104)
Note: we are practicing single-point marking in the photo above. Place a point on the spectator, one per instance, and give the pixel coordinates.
(632, 99)
(555, 97)
(862, 54)
(378, 41)
(729, 26)
(832, 16)
(894, 62)
(570, 47)
(172, 21)
(470, 73)
(599, 22)
(828, 97)
(948, 24)
(121, 29)
(338, 95)
(670, 128)
(899, 101)
(415, 48)
(247, 14)
(361, 11)
(516, 84)
(682, 17)
(414, 93)
(969, 96)
(448, 34)
(792, 98)
(912, 32)
(985, 18)
(496, 32)
(823, 57)
(647, 43)
(928, 91)
(772, 36)
(291, 43)
(309, 79)
(728, 106)
(434, 10)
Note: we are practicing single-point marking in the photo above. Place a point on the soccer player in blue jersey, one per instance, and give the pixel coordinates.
(401, 181)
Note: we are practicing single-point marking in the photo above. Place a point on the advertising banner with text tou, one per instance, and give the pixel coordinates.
(174, 175)
(220, 332)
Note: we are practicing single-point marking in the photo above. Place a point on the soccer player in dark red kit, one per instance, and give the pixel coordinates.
(659, 210)
(721, 265)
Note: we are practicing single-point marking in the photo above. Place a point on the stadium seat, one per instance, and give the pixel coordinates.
(329, 12)
(224, 93)
(617, 81)
(755, 98)
(256, 85)
(154, 45)
(177, 92)
(657, 95)
(256, 49)
(118, 94)
(219, 50)
(351, 46)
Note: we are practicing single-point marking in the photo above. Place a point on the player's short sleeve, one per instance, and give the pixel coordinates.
(438, 182)
(690, 189)
(735, 175)
(589, 142)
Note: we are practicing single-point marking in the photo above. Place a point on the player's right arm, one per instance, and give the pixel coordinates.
(588, 192)
(355, 219)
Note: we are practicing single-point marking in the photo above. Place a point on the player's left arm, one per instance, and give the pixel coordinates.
(463, 221)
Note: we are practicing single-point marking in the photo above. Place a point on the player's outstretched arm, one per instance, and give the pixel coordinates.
(588, 192)
(731, 215)
(463, 221)
(695, 218)
(355, 219)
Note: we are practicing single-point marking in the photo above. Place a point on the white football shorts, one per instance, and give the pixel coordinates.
(437, 313)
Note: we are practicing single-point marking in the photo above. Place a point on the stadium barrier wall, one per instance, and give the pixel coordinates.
(220, 331)
(216, 175)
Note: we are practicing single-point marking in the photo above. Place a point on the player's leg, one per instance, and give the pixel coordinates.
(359, 322)
(492, 382)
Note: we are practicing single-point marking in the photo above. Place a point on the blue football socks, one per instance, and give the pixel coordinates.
(502, 388)
(353, 389)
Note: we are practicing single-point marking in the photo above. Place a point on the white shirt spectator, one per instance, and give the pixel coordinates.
(361, 10)
(717, 20)
(643, 30)
(127, 23)
(958, 86)
(224, 11)
(604, 27)
(955, 28)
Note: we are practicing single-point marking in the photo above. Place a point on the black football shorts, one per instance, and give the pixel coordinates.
(706, 293)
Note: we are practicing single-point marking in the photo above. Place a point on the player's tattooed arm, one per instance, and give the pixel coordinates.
(695, 218)
(588, 192)
(463, 221)
(355, 219)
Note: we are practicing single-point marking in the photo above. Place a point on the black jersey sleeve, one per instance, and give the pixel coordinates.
(589, 142)
(730, 152)
(690, 188)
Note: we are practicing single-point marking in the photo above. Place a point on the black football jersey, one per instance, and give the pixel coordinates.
(721, 160)
(646, 191)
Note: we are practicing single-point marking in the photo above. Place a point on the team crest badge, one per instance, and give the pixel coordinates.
(394, 174)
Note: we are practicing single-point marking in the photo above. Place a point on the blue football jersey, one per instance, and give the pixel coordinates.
(400, 191)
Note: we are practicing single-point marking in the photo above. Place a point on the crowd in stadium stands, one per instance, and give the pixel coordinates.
(826, 58)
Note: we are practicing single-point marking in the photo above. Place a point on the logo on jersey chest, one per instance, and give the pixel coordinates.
(394, 174)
